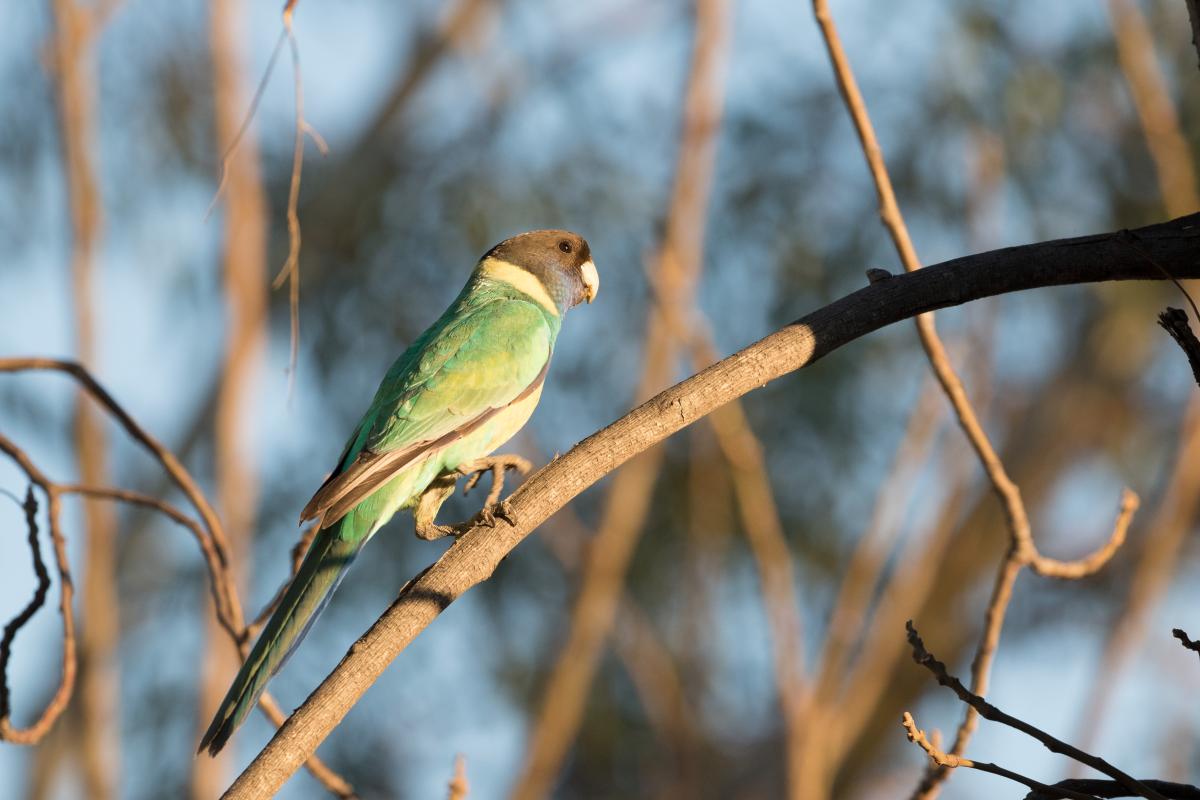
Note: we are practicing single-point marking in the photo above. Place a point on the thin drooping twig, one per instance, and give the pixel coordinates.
(211, 537)
(244, 279)
(1175, 322)
(74, 62)
(475, 555)
(232, 148)
(291, 267)
(563, 702)
(990, 712)
(946, 760)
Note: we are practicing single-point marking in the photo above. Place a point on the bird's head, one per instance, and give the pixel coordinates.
(553, 267)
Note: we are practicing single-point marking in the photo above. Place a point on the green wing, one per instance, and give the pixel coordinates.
(468, 367)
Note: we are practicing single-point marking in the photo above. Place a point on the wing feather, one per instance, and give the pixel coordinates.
(460, 377)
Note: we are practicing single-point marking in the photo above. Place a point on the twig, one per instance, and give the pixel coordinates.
(1090, 564)
(1175, 322)
(1190, 644)
(950, 761)
(991, 712)
(36, 602)
(34, 732)
(213, 546)
(291, 267)
(475, 555)
(232, 147)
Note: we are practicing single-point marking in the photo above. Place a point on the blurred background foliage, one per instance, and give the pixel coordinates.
(1000, 126)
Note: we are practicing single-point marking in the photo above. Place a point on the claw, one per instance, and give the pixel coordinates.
(504, 510)
(493, 507)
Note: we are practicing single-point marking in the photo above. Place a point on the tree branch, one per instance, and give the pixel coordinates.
(1190, 644)
(1103, 789)
(950, 761)
(475, 556)
(989, 711)
(208, 531)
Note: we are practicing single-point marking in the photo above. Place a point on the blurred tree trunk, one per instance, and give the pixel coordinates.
(98, 718)
(628, 501)
(244, 267)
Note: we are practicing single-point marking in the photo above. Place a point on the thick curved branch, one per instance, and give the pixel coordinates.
(473, 558)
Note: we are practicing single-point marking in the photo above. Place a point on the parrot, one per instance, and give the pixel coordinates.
(463, 388)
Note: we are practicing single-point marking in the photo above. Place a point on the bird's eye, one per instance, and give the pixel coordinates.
(565, 246)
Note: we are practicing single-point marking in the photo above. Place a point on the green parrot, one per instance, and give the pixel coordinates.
(462, 389)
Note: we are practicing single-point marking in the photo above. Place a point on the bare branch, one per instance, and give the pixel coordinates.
(1104, 789)
(991, 712)
(1091, 564)
(1190, 644)
(36, 602)
(209, 534)
(34, 732)
(476, 554)
(951, 761)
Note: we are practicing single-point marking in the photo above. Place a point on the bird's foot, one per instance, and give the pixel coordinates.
(493, 508)
(497, 465)
(431, 500)
(430, 531)
(500, 510)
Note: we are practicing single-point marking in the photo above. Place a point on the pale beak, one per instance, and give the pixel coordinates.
(591, 280)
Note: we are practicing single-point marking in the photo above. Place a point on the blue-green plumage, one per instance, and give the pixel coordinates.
(462, 389)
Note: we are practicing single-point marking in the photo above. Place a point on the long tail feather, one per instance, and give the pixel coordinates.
(322, 569)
